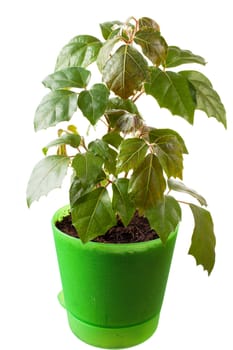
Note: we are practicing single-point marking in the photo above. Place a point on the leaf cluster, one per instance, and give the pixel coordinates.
(132, 166)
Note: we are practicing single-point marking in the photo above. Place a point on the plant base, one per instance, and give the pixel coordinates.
(111, 338)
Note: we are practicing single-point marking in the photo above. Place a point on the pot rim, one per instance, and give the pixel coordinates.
(116, 247)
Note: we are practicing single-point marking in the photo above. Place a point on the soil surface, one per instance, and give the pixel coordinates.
(138, 230)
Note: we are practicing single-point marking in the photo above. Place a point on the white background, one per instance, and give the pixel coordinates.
(197, 311)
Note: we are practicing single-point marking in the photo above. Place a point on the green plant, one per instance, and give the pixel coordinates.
(132, 166)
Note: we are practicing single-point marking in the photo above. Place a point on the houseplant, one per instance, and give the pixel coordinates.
(125, 175)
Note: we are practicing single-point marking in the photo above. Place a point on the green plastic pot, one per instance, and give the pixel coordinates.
(113, 293)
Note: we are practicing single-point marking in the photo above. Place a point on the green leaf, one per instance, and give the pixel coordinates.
(123, 115)
(177, 56)
(121, 202)
(76, 190)
(169, 152)
(132, 153)
(81, 51)
(105, 52)
(149, 23)
(207, 99)
(67, 139)
(147, 184)
(153, 45)
(88, 168)
(56, 107)
(125, 72)
(92, 214)
(172, 91)
(99, 148)
(156, 134)
(164, 217)
(67, 78)
(117, 103)
(113, 138)
(110, 29)
(203, 238)
(93, 102)
(46, 175)
(179, 186)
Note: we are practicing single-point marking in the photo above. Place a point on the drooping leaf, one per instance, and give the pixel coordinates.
(67, 78)
(164, 217)
(203, 238)
(105, 52)
(153, 45)
(179, 186)
(113, 138)
(93, 102)
(169, 152)
(47, 175)
(149, 23)
(171, 90)
(177, 56)
(88, 168)
(81, 51)
(66, 139)
(92, 214)
(156, 134)
(125, 72)
(147, 184)
(121, 202)
(56, 107)
(110, 29)
(132, 153)
(207, 99)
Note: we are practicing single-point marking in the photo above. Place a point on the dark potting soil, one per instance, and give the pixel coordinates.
(138, 230)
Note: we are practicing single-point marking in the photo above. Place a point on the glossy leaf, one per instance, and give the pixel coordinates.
(67, 78)
(93, 102)
(92, 214)
(56, 107)
(147, 184)
(179, 186)
(77, 190)
(121, 202)
(110, 29)
(125, 72)
(105, 52)
(81, 51)
(203, 238)
(177, 56)
(207, 99)
(164, 217)
(171, 90)
(169, 152)
(132, 153)
(47, 175)
(66, 139)
(156, 134)
(88, 168)
(149, 23)
(153, 45)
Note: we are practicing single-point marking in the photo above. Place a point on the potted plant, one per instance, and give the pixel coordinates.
(116, 237)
